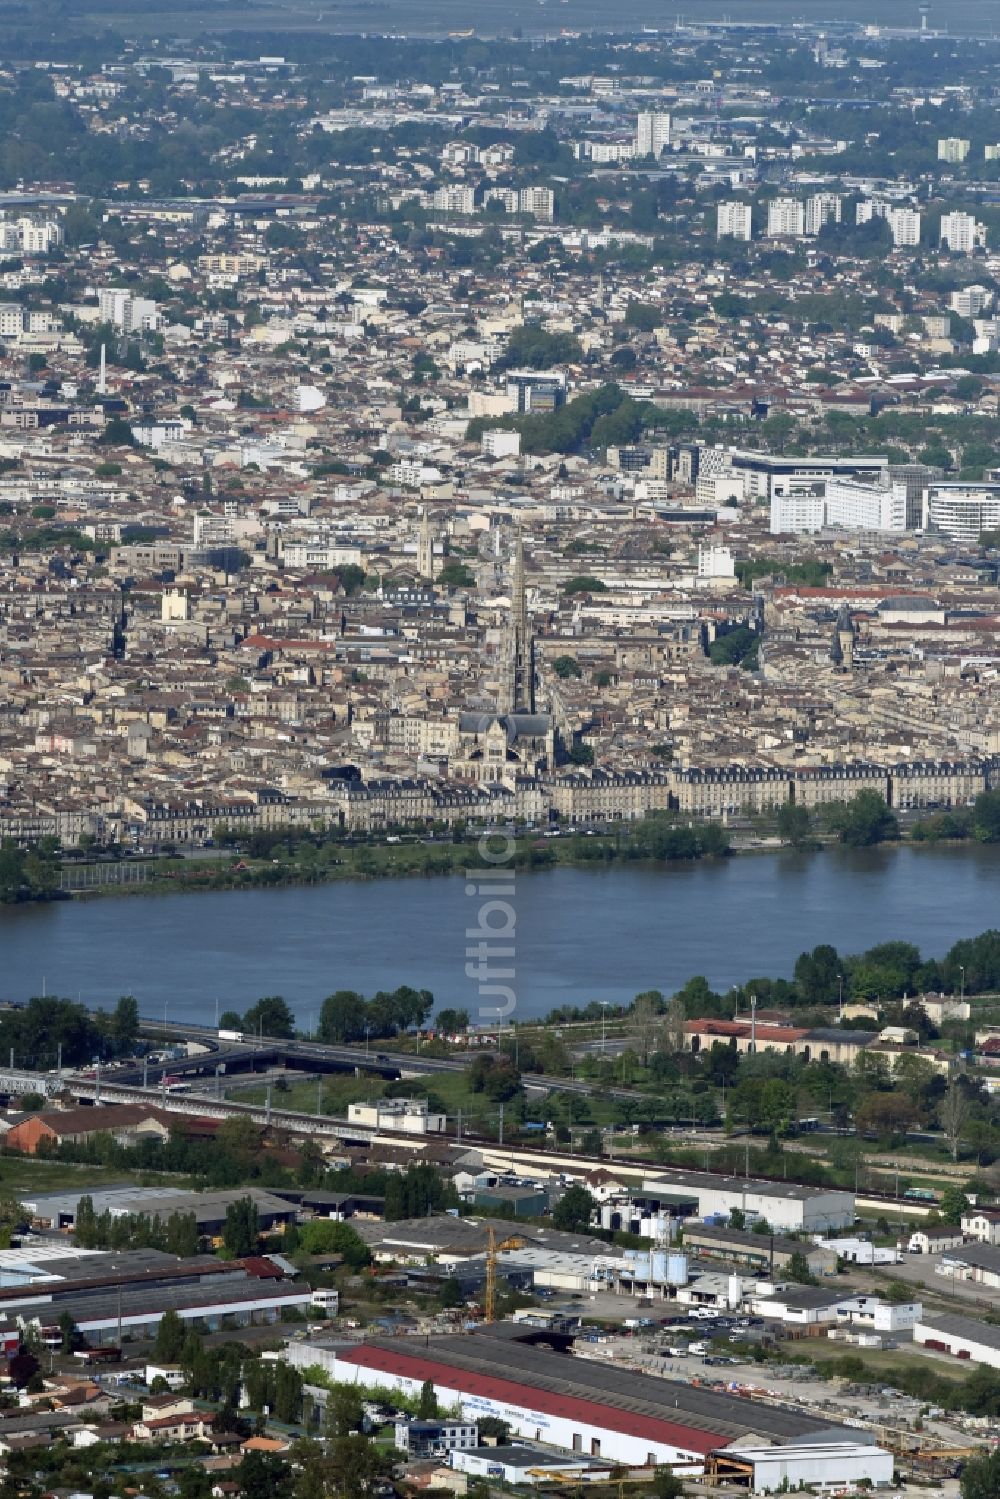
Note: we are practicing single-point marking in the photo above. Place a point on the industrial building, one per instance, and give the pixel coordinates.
(786, 1207)
(530, 1379)
(963, 1337)
(120, 1295)
(812, 1465)
(979, 1263)
(529, 1465)
(58, 1210)
(448, 1241)
(767, 1252)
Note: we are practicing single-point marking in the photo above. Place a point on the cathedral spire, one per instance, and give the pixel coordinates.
(517, 685)
(425, 546)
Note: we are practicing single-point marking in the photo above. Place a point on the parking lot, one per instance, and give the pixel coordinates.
(920, 1271)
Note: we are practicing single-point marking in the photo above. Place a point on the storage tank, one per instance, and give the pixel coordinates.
(677, 1269)
(638, 1263)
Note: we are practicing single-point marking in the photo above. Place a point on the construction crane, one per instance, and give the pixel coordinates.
(491, 1275)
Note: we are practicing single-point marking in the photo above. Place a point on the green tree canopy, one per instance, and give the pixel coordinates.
(573, 1211)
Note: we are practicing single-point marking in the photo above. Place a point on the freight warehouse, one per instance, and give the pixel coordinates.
(531, 1380)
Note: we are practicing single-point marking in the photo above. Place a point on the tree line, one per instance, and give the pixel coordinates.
(178, 1234)
(30, 873)
(36, 1031)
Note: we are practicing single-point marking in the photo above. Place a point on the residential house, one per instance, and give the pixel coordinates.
(982, 1225)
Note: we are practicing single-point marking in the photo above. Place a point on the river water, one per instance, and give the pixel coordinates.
(580, 934)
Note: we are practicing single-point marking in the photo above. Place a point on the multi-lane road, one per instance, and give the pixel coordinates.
(317, 1056)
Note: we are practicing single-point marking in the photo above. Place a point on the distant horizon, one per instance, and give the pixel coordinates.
(426, 18)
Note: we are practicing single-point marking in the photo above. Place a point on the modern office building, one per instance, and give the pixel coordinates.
(764, 475)
(961, 510)
(843, 504)
(536, 390)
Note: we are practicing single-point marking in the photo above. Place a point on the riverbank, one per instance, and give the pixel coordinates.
(313, 862)
(401, 860)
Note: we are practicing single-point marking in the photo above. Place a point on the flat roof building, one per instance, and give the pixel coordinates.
(546, 1394)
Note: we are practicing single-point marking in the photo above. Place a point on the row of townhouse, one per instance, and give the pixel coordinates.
(718, 791)
(577, 796)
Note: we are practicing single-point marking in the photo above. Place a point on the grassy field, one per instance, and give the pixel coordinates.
(28, 1174)
(820, 1351)
(338, 1092)
(448, 1092)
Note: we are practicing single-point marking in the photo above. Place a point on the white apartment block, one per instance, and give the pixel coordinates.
(454, 199)
(30, 236)
(320, 555)
(160, 435)
(904, 223)
(11, 319)
(235, 266)
(970, 301)
(839, 504)
(602, 152)
(128, 313)
(652, 133)
(508, 196)
(733, 220)
(962, 511)
(952, 149)
(786, 218)
(822, 208)
(716, 562)
(960, 232)
(39, 239)
(459, 153)
(497, 443)
(540, 201)
(500, 154)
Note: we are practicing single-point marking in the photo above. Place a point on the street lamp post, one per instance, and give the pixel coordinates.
(961, 992)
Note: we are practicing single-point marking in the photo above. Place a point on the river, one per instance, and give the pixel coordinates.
(581, 934)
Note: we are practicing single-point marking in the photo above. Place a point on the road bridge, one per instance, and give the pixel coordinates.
(318, 1056)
